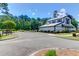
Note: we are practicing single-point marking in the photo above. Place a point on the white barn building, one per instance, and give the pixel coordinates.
(60, 23)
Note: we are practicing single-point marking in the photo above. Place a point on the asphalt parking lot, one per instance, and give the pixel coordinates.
(28, 42)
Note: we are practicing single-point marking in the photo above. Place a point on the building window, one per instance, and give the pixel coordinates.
(49, 22)
(67, 21)
(53, 21)
(59, 20)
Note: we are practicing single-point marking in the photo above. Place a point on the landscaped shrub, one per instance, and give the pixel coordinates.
(58, 32)
(51, 53)
(48, 31)
(0, 35)
(65, 31)
(74, 34)
(52, 31)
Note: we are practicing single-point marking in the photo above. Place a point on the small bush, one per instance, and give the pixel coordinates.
(48, 31)
(58, 32)
(65, 31)
(52, 31)
(0, 35)
(51, 53)
(74, 34)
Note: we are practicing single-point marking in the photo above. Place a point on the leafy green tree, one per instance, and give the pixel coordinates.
(74, 23)
(28, 25)
(44, 20)
(0, 24)
(23, 19)
(39, 19)
(35, 24)
(18, 25)
(4, 8)
(8, 25)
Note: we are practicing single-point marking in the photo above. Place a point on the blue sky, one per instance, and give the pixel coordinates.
(42, 10)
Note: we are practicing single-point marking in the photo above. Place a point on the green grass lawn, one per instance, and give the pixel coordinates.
(68, 36)
(4, 37)
(51, 53)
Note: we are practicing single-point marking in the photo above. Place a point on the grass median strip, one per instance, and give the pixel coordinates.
(67, 36)
(4, 37)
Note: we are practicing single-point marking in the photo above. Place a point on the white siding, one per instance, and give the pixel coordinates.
(46, 29)
(51, 28)
(59, 27)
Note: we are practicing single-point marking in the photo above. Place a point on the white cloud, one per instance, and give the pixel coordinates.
(33, 13)
(49, 13)
(36, 10)
(29, 10)
(78, 14)
(63, 10)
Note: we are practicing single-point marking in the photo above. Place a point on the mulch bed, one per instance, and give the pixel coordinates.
(59, 52)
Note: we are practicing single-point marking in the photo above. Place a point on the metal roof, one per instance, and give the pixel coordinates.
(48, 25)
(56, 18)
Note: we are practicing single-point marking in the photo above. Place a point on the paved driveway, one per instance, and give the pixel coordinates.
(29, 42)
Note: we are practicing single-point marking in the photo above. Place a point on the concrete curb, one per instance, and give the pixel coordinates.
(33, 54)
